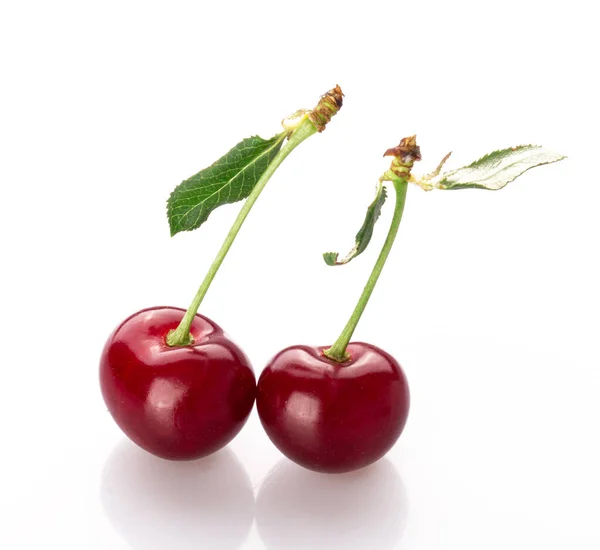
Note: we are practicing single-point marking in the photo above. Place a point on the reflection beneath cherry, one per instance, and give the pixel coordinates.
(299, 509)
(158, 504)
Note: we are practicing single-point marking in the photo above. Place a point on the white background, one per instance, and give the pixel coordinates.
(490, 299)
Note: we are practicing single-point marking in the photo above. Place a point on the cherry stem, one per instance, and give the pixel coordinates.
(181, 335)
(338, 352)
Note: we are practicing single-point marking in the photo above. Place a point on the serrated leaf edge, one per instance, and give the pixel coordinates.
(484, 158)
(195, 225)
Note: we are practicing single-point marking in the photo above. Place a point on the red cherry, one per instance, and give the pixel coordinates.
(180, 402)
(333, 417)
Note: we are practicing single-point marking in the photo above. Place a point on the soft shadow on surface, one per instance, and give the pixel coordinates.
(157, 504)
(297, 509)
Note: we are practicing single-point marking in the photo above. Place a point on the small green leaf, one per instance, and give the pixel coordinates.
(229, 179)
(330, 257)
(363, 237)
(495, 170)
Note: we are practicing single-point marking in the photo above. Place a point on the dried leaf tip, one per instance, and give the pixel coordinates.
(407, 150)
(328, 106)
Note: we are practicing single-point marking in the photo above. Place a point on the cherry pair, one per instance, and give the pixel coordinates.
(179, 388)
(188, 401)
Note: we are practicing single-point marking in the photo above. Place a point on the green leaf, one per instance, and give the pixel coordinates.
(495, 170)
(363, 237)
(229, 179)
(330, 257)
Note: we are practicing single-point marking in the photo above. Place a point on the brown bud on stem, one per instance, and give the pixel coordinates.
(328, 106)
(405, 154)
(406, 148)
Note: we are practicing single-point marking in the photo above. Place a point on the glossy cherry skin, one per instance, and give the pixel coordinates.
(333, 417)
(179, 403)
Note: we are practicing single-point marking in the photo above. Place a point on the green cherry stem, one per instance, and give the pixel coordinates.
(181, 335)
(337, 352)
(305, 126)
(405, 155)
